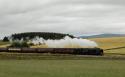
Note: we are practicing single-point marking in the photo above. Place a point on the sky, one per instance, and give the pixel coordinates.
(77, 17)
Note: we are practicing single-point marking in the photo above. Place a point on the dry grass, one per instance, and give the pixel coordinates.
(113, 42)
(3, 44)
(39, 46)
(107, 43)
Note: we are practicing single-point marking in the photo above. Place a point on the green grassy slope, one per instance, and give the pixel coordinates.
(3, 44)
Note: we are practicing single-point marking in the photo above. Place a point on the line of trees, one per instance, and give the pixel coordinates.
(32, 35)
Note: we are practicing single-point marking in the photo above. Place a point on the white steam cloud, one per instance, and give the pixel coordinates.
(67, 42)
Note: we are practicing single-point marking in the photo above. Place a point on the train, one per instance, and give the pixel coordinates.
(73, 51)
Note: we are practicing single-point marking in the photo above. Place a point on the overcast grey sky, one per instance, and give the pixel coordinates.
(64, 16)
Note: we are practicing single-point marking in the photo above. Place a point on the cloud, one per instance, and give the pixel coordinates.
(64, 16)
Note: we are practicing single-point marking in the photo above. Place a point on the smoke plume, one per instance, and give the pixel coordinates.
(66, 42)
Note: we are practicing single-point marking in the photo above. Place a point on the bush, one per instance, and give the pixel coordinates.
(19, 44)
(24, 44)
(15, 44)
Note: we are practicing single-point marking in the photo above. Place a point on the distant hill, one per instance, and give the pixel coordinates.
(44, 35)
(103, 36)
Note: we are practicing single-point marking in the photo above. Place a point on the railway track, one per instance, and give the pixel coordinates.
(114, 48)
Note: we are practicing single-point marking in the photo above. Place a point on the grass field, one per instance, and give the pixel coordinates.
(3, 44)
(62, 68)
(113, 42)
(36, 65)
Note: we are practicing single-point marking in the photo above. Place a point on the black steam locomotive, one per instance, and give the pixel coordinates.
(74, 51)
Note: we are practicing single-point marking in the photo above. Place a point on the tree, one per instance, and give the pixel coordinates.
(19, 44)
(5, 39)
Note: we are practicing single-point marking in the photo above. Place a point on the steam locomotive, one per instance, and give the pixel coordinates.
(74, 51)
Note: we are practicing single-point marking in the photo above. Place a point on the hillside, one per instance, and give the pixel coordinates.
(104, 36)
(3, 44)
(112, 42)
